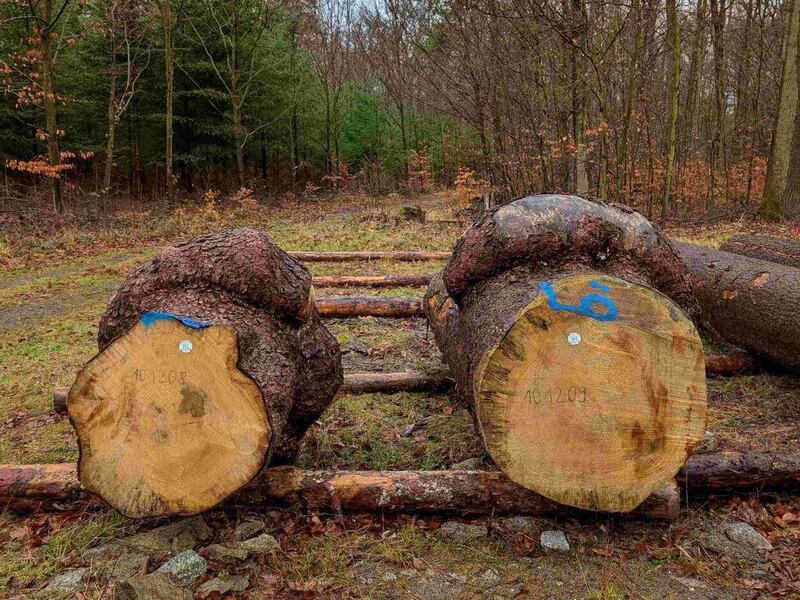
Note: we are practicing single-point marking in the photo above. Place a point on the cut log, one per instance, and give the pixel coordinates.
(778, 250)
(54, 486)
(346, 307)
(726, 365)
(563, 322)
(375, 281)
(408, 381)
(50, 486)
(407, 256)
(178, 412)
(749, 302)
(465, 493)
(726, 473)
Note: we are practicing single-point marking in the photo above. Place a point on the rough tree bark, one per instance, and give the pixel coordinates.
(777, 250)
(376, 281)
(585, 380)
(749, 302)
(213, 362)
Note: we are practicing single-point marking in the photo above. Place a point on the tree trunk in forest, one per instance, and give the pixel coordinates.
(790, 198)
(213, 363)
(718, 139)
(542, 300)
(785, 118)
(777, 250)
(675, 88)
(112, 119)
(692, 106)
(749, 302)
(168, 26)
(49, 101)
(56, 486)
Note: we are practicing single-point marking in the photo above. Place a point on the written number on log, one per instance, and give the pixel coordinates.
(159, 376)
(574, 393)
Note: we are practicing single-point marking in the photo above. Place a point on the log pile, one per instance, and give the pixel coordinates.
(54, 486)
(749, 302)
(213, 363)
(565, 324)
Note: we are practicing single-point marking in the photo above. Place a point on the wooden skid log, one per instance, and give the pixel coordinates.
(373, 281)
(726, 365)
(749, 302)
(345, 307)
(778, 250)
(423, 381)
(554, 308)
(402, 256)
(54, 486)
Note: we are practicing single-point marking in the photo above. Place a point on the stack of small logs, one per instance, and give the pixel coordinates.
(566, 325)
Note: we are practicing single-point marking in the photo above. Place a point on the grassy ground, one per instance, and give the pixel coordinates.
(55, 287)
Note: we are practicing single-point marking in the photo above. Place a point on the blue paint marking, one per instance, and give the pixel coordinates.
(151, 317)
(585, 307)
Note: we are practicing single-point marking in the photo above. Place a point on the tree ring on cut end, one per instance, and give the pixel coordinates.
(602, 423)
(166, 422)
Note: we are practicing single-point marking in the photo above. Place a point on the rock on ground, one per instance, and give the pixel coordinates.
(471, 464)
(224, 554)
(260, 545)
(186, 567)
(68, 581)
(461, 532)
(554, 540)
(155, 586)
(223, 584)
(175, 537)
(248, 529)
(744, 534)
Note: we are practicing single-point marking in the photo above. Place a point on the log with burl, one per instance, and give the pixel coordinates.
(213, 363)
(566, 326)
(778, 250)
(752, 303)
(56, 486)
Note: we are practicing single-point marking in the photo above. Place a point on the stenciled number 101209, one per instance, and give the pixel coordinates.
(556, 395)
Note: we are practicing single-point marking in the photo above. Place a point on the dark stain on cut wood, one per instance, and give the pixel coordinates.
(193, 402)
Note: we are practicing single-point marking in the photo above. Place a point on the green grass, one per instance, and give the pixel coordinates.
(366, 432)
(23, 566)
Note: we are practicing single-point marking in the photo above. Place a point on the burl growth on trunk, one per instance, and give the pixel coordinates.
(213, 363)
(564, 323)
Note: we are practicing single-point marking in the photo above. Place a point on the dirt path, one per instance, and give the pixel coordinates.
(48, 293)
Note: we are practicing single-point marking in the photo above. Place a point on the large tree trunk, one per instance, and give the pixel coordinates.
(213, 363)
(56, 486)
(785, 118)
(49, 102)
(554, 309)
(777, 250)
(751, 303)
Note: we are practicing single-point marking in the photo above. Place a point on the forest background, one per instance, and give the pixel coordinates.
(682, 109)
